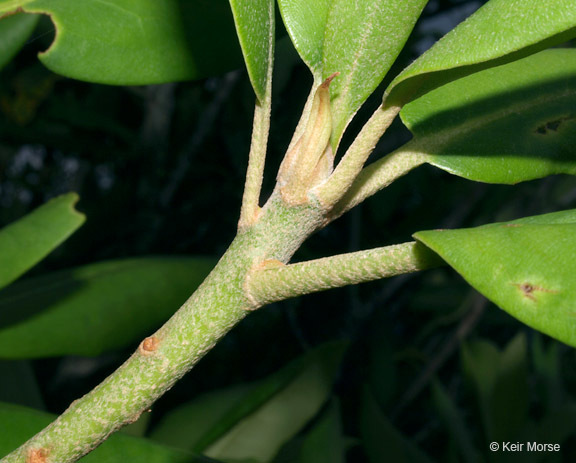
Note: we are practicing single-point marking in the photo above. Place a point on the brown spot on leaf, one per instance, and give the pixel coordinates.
(37, 455)
(529, 290)
(149, 345)
(512, 225)
(553, 126)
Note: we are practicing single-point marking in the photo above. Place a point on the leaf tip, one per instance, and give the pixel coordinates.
(329, 80)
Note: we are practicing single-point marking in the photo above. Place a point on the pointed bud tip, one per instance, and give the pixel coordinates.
(329, 79)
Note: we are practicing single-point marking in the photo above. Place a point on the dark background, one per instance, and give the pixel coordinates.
(160, 170)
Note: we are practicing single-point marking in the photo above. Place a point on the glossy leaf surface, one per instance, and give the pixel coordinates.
(362, 41)
(126, 42)
(27, 241)
(526, 267)
(17, 424)
(503, 125)
(14, 31)
(255, 28)
(499, 32)
(94, 308)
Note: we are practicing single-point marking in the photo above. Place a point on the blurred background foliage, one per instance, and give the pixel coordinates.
(429, 370)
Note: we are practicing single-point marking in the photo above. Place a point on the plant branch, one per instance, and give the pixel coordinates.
(276, 282)
(378, 176)
(164, 357)
(330, 192)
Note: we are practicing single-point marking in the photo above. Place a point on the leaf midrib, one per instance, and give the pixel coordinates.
(435, 140)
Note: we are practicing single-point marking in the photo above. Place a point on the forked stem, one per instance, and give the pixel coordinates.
(331, 191)
(378, 176)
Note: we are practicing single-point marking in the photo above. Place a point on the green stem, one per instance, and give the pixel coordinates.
(330, 192)
(256, 160)
(163, 358)
(378, 176)
(275, 284)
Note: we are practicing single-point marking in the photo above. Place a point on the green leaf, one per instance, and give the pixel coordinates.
(305, 22)
(255, 28)
(500, 380)
(381, 440)
(324, 443)
(508, 124)
(481, 366)
(18, 424)
(252, 422)
(260, 435)
(455, 423)
(14, 31)
(20, 385)
(26, 242)
(186, 426)
(362, 41)
(548, 371)
(525, 267)
(95, 308)
(127, 42)
(499, 32)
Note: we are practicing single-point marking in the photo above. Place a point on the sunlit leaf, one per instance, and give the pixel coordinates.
(526, 267)
(26, 242)
(499, 32)
(95, 308)
(508, 124)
